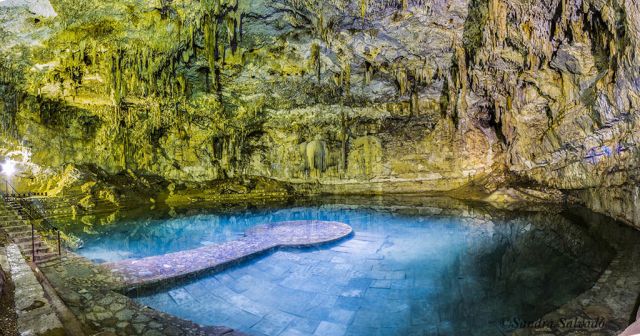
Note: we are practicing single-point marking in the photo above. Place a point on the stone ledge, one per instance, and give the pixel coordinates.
(632, 330)
(257, 241)
(2, 279)
(36, 316)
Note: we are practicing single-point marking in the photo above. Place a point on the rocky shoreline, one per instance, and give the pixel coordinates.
(88, 288)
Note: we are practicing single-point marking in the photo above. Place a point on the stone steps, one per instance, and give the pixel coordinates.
(49, 263)
(14, 222)
(40, 250)
(26, 239)
(45, 257)
(19, 230)
(24, 232)
(26, 245)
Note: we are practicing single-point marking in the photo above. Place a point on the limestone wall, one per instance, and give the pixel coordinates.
(374, 96)
(560, 80)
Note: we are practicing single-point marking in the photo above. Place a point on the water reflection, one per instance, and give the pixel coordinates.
(409, 270)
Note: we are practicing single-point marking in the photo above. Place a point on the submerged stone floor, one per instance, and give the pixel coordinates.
(258, 240)
(351, 288)
(88, 289)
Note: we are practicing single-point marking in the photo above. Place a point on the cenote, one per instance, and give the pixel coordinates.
(319, 167)
(408, 269)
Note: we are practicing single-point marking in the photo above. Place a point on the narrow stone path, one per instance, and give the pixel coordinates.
(87, 290)
(258, 240)
(35, 315)
(8, 317)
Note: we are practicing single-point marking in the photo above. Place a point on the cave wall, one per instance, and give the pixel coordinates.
(299, 91)
(561, 81)
(352, 96)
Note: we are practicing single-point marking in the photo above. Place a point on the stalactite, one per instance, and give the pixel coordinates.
(368, 72)
(231, 32)
(211, 45)
(462, 74)
(346, 79)
(402, 79)
(315, 63)
(424, 73)
(118, 87)
(344, 140)
(369, 7)
(414, 102)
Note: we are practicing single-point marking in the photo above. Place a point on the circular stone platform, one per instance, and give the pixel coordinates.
(257, 240)
(303, 233)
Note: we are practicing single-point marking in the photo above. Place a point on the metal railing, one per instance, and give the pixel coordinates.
(25, 208)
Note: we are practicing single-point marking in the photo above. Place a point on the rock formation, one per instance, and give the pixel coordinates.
(335, 96)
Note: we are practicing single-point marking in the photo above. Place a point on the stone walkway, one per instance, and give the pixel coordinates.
(35, 315)
(3, 264)
(258, 240)
(89, 290)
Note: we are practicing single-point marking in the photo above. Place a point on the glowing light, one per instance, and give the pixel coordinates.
(9, 168)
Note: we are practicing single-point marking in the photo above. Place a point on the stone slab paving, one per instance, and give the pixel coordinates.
(258, 240)
(292, 293)
(89, 289)
(297, 293)
(35, 315)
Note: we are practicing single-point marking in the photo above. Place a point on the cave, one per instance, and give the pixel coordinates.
(319, 167)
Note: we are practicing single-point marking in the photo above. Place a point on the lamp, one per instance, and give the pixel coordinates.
(8, 169)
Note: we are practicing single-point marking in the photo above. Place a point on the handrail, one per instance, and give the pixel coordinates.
(33, 214)
(7, 185)
(15, 192)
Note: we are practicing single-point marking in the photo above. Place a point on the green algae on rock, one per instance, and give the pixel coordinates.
(386, 96)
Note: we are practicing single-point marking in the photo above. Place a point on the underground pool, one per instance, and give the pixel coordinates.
(404, 271)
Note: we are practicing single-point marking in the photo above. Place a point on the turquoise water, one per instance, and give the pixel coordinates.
(139, 238)
(400, 274)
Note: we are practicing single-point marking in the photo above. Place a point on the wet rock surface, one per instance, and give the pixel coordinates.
(2, 279)
(88, 291)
